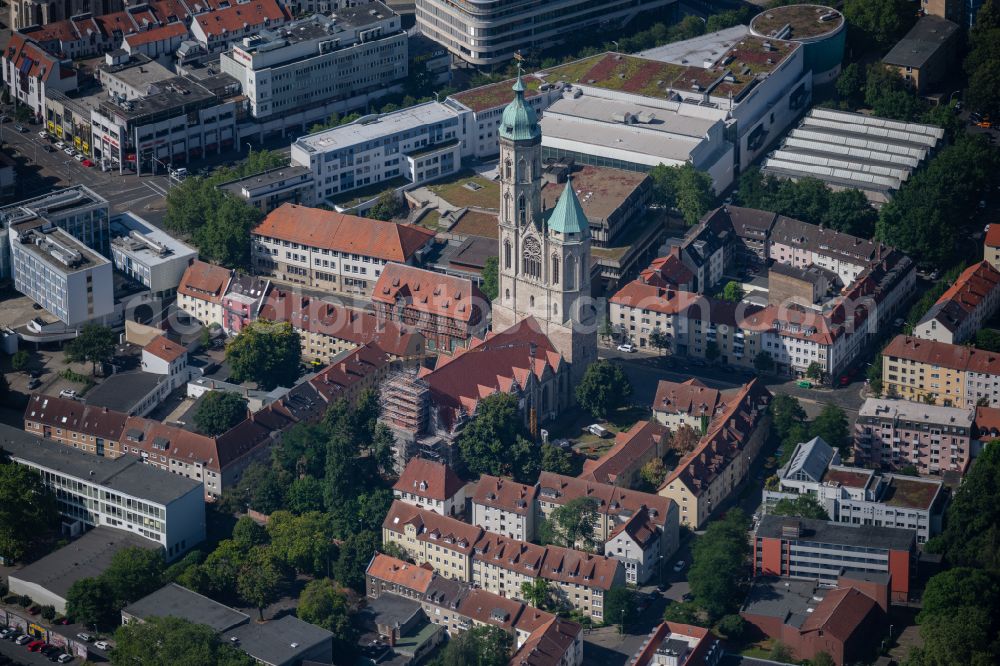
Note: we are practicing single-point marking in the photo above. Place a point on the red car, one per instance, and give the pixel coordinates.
(87, 163)
(35, 646)
(845, 380)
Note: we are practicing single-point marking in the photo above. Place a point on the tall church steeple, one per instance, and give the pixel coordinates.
(544, 262)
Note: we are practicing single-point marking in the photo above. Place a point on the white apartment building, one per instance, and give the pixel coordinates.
(961, 311)
(29, 70)
(636, 543)
(860, 496)
(403, 148)
(71, 281)
(317, 59)
(170, 359)
(505, 507)
(149, 255)
(119, 492)
(488, 33)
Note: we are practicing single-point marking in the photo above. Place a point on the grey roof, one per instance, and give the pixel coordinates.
(881, 577)
(127, 475)
(783, 598)
(172, 600)
(731, 659)
(821, 531)
(697, 50)
(391, 610)
(269, 177)
(812, 274)
(812, 458)
(123, 390)
(88, 556)
(921, 42)
(278, 642)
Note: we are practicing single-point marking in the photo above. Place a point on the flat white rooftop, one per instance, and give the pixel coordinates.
(362, 130)
(142, 240)
(696, 51)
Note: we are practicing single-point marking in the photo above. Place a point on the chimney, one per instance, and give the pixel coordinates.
(675, 251)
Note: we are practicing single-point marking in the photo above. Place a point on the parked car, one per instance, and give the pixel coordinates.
(679, 566)
(102, 645)
(60, 145)
(627, 348)
(69, 393)
(86, 638)
(23, 639)
(36, 646)
(20, 128)
(844, 380)
(43, 135)
(662, 587)
(86, 163)
(599, 430)
(79, 157)
(65, 658)
(69, 151)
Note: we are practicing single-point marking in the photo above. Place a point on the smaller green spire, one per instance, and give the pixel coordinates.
(519, 121)
(568, 217)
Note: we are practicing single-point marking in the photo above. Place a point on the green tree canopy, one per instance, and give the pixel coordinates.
(494, 441)
(879, 24)
(482, 646)
(388, 206)
(218, 411)
(27, 509)
(265, 352)
(573, 524)
(557, 461)
(988, 339)
(491, 281)
(91, 601)
(763, 363)
(303, 543)
(620, 606)
(19, 361)
(603, 389)
(302, 449)
(719, 561)
(831, 424)
(305, 495)
(325, 604)
(248, 533)
(258, 581)
(95, 344)
(654, 472)
(733, 292)
(132, 574)
(355, 554)
(537, 592)
(169, 641)
(803, 506)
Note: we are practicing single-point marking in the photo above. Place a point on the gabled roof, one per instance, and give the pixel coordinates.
(565, 565)
(812, 458)
(430, 479)
(629, 448)
(237, 17)
(690, 397)
(840, 614)
(163, 348)
(75, 416)
(964, 296)
(329, 230)
(398, 572)
(446, 532)
(428, 292)
(334, 381)
(31, 60)
(488, 608)
(505, 494)
(512, 554)
(668, 271)
(638, 528)
(170, 31)
(547, 645)
(204, 281)
(618, 502)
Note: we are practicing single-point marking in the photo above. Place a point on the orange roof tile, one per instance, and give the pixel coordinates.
(399, 572)
(156, 34)
(329, 230)
(429, 292)
(430, 479)
(611, 500)
(629, 447)
(163, 348)
(75, 416)
(506, 494)
(444, 531)
(993, 236)
(690, 397)
(30, 59)
(511, 554)
(204, 281)
(236, 17)
(572, 566)
(547, 645)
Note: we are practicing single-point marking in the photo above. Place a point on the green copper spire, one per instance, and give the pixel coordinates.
(519, 121)
(568, 216)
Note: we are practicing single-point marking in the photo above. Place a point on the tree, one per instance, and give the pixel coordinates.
(326, 605)
(48, 612)
(302, 450)
(780, 652)
(823, 659)
(694, 193)
(785, 412)
(733, 292)
(218, 411)
(712, 351)
(984, 83)
(603, 389)
(387, 207)
(493, 442)
(659, 340)
(988, 339)
(132, 574)
(815, 371)
(248, 533)
(719, 560)
(27, 509)
(224, 238)
(763, 363)
(573, 524)
(732, 626)
(222, 568)
(684, 439)
(172, 573)
(305, 495)
(909, 470)
(303, 543)
(653, 472)
(265, 352)
(95, 344)
(90, 601)
(879, 23)
(850, 85)
(620, 606)
(166, 641)
(831, 424)
(484, 645)
(684, 612)
(261, 488)
(803, 506)
(556, 460)
(19, 361)
(491, 281)
(536, 592)
(355, 554)
(258, 580)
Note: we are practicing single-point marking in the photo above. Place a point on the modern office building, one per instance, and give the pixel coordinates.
(487, 33)
(893, 434)
(821, 30)
(71, 281)
(820, 550)
(860, 496)
(267, 190)
(403, 148)
(149, 255)
(313, 60)
(123, 492)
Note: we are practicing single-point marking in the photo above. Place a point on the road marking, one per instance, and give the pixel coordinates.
(156, 188)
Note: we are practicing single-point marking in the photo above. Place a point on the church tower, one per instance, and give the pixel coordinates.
(544, 256)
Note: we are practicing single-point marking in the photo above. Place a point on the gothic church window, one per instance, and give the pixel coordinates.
(532, 258)
(555, 269)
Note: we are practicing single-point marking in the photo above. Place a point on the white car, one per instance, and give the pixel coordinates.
(69, 393)
(628, 348)
(43, 135)
(60, 145)
(102, 645)
(65, 658)
(86, 638)
(69, 151)
(679, 566)
(80, 157)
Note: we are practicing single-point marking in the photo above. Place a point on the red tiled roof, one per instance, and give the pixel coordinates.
(62, 31)
(75, 416)
(840, 614)
(694, 658)
(204, 281)
(629, 447)
(444, 531)
(398, 572)
(168, 31)
(40, 65)
(964, 296)
(511, 554)
(326, 229)
(793, 323)
(611, 500)
(430, 479)
(993, 236)
(690, 397)
(638, 527)
(337, 378)
(572, 566)
(724, 440)
(505, 494)
(636, 294)
(488, 608)
(428, 292)
(988, 421)
(238, 16)
(163, 348)
(547, 645)
(668, 271)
